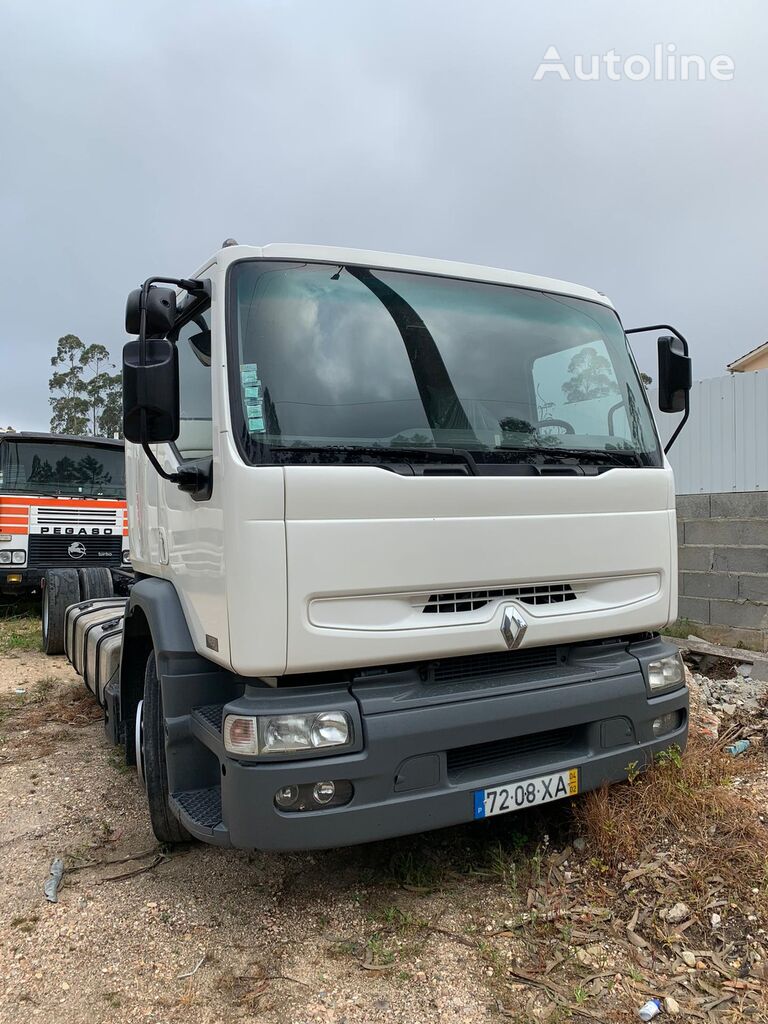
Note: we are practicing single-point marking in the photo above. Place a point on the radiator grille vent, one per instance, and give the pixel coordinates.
(497, 663)
(505, 753)
(53, 552)
(64, 516)
(469, 600)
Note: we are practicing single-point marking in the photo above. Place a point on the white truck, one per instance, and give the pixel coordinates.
(404, 540)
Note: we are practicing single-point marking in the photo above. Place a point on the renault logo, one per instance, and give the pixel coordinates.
(513, 627)
(76, 549)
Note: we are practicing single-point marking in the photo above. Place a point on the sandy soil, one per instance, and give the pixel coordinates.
(24, 670)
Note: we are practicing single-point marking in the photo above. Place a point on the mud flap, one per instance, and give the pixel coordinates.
(112, 726)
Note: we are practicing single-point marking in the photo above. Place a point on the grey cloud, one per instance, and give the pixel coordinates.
(136, 137)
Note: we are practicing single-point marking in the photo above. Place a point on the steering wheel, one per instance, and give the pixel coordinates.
(567, 427)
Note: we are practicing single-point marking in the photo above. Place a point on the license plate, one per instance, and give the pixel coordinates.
(513, 796)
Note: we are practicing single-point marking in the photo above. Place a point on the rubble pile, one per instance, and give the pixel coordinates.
(735, 708)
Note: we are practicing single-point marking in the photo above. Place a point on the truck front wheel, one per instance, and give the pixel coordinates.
(150, 759)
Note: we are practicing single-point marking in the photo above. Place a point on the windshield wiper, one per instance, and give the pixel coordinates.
(604, 457)
(460, 454)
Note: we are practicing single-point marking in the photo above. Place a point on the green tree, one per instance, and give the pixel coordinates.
(592, 376)
(85, 397)
(111, 414)
(70, 407)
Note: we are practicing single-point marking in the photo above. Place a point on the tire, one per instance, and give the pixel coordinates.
(95, 583)
(151, 759)
(61, 588)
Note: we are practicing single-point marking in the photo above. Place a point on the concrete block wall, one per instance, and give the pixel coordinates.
(723, 562)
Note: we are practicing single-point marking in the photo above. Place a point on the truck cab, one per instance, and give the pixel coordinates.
(404, 541)
(62, 506)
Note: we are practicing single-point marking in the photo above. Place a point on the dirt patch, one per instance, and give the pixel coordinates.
(538, 916)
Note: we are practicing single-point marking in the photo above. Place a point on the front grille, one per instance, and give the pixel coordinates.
(497, 663)
(469, 600)
(507, 753)
(64, 516)
(53, 551)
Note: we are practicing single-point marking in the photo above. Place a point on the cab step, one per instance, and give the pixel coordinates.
(199, 811)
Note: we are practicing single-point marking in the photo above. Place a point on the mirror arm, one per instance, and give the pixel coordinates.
(191, 285)
(173, 477)
(186, 284)
(687, 410)
(192, 479)
(611, 413)
(660, 327)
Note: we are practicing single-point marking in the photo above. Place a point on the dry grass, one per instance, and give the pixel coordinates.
(19, 630)
(69, 704)
(53, 702)
(686, 800)
(34, 725)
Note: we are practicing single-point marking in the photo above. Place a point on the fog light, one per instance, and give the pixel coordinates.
(314, 796)
(666, 723)
(13, 577)
(287, 796)
(126, 557)
(666, 673)
(324, 792)
(18, 557)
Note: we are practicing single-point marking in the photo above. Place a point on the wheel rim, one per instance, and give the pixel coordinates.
(45, 612)
(139, 739)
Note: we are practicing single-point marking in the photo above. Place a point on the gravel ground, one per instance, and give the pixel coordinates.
(518, 918)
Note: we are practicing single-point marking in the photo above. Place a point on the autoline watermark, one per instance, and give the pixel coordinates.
(664, 64)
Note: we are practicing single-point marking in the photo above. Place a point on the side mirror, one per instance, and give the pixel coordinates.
(151, 391)
(675, 377)
(161, 311)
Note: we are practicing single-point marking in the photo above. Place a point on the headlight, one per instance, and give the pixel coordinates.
(286, 734)
(18, 557)
(666, 673)
(5, 557)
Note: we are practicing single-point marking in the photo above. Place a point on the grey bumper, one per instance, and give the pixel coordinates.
(424, 751)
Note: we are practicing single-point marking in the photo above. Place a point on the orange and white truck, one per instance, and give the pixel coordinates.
(62, 513)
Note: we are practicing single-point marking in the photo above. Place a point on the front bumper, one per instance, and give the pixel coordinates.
(424, 749)
(19, 580)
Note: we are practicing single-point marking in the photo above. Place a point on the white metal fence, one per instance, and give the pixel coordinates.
(724, 445)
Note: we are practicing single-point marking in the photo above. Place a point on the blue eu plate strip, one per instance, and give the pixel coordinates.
(479, 803)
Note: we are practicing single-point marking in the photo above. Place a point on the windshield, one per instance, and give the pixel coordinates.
(50, 467)
(347, 356)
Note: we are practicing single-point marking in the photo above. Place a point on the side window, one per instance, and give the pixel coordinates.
(194, 345)
(578, 386)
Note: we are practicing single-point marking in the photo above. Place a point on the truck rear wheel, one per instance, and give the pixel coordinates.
(150, 759)
(95, 582)
(61, 588)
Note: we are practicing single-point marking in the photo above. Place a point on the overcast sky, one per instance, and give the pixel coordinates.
(136, 136)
